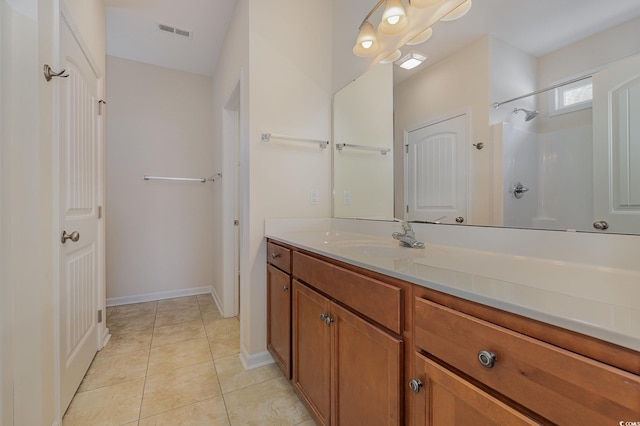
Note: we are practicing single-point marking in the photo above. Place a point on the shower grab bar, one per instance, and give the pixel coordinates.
(145, 177)
(382, 151)
(266, 137)
(496, 105)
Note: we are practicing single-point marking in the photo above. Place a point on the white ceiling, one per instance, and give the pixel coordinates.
(535, 26)
(132, 32)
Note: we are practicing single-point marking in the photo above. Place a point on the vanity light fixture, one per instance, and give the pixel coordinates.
(367, 42)
(394, 18)
(411, 61)
(424, 3)
(458, 12)
(421, 38)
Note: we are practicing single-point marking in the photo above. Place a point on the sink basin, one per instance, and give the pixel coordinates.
(380, 250)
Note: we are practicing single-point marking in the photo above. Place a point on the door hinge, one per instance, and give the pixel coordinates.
(99, 212)
(407, 208)
(100, 316)
(100, 103)
(406, 149)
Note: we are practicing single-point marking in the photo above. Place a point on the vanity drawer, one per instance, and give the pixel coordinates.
(374, 299)
(561, 386)
(279, 256)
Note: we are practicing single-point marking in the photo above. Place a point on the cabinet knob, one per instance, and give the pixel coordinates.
(74, 236)
(415, 385)
(285, 288)
(275, 255)
(487, 359)
(328, 320)
(601, 225)
(323, 317)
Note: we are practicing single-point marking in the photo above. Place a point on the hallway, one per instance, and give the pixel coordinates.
(175, 362)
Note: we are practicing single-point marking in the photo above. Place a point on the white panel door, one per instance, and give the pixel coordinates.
(436, 172)
(616, 130)
(78, 186)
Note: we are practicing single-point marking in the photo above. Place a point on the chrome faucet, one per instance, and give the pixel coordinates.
(408, 238)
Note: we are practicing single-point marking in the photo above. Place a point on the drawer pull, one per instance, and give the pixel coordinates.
(275, 255)
(415, 385)
(487, 359)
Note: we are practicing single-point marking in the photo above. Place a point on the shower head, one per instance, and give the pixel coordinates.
(529, 115)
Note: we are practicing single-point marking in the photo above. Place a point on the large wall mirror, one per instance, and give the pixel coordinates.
(525, 114)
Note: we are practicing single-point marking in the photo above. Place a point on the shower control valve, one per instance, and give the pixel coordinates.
(519, 190)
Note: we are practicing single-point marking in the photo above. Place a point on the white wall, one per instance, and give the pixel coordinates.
(290, 93)
(159, 233)
(363, 115)
(457, 84)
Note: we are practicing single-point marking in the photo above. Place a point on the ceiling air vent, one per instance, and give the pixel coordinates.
(175, 31)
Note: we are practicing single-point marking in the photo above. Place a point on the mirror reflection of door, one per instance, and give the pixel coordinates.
(616, 106)
(436, 172)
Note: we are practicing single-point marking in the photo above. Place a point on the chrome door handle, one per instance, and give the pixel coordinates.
(74, 236)
(49, 73)
(601, 225)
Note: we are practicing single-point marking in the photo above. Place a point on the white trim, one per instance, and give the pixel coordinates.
(217, 301)
(105, 337)
(151, 297)
(251, 361)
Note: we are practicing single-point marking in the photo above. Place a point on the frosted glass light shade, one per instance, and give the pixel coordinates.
(458, 12)
(367, 41)
(421, 38)
(424, 3)
(394, 18)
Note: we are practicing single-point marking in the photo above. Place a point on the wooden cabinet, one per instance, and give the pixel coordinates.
(451, 400)
(353, 340)
(279, 306)
(346, 369)
(529, 377)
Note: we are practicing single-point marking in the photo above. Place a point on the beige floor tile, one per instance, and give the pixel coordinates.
(110, 370)
(178, 332)
(109, 311)
(221, 327)
(175, 316)
(178, 303)
(177, 355)
(131, 341)
(211, 412)
(269, 403)
(205, 299)
(210, 313)
(225, 345)
(112, 405)
(178, 388)
(135, 309)
(233, 376)
(123, 324)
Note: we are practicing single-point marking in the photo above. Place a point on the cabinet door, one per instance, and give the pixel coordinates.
(450, 400)
(279, 318)
(311, 349)
(367, 372)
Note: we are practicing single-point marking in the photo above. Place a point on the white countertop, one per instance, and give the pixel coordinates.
(598, 301)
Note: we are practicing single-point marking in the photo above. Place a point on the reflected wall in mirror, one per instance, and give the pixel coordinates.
(567, 158)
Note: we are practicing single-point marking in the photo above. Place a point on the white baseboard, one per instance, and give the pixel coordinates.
(217, 301)
(105, 338)
(251, 361)
(151, 297)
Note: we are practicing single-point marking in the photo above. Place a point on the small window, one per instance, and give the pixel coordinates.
(571, 97)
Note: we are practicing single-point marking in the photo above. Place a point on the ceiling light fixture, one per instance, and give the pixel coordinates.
(411, 61)
(367, 42)
(394, 18)
(424, 3)
(421, 38)
(458, 12)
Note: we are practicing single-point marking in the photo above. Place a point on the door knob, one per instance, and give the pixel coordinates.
(601, 225)
(74, 236)
(459, 219)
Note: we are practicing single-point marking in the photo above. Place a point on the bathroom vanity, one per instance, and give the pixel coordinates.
(377, 336)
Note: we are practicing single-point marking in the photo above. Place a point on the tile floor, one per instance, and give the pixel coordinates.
(175, 362)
